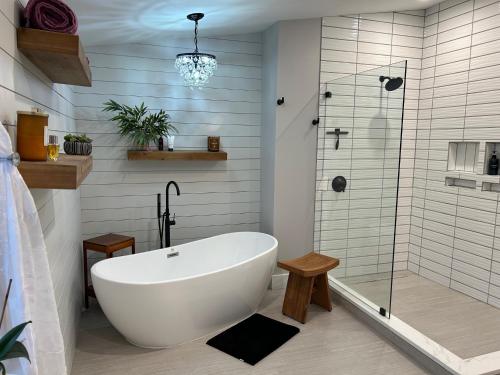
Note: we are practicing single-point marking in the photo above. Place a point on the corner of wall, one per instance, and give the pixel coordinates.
(268, 132)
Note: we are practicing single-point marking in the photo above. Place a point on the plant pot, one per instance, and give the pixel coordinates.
(77, 148)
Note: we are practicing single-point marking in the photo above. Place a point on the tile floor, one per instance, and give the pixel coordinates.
(330, 343)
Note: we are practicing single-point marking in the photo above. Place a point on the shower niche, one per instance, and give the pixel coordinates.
(463, 157)
(490, 182)
(465, 168)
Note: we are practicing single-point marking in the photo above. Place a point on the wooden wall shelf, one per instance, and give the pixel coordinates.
(66, 173)
(177, 155)
(60, 56)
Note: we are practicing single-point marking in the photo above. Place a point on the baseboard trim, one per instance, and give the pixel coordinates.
(278, 281)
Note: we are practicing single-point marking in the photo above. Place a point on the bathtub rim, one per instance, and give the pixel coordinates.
(272, 248)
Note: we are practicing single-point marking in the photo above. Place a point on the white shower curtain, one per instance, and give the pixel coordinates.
(23, 258)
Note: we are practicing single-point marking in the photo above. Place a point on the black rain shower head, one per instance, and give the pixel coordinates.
(392, 83)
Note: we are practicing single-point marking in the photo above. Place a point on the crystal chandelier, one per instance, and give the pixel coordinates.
(195, 67)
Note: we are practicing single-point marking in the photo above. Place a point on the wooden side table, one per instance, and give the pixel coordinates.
(307, 283)
(108, 244)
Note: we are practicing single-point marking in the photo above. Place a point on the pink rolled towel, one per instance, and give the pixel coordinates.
(50, 15)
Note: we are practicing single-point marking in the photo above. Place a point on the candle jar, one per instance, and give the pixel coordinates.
(213, 144)
(32, 135)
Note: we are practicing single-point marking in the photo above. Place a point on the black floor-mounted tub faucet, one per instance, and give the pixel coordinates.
(164, 220)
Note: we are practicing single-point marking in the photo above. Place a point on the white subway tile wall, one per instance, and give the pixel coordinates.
(446, 227)
(23, 86)
(216, 197)
(453, 234)
(358, 226)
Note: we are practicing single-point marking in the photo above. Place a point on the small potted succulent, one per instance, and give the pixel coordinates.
(77, 144)
(9, 346)
(140, 126)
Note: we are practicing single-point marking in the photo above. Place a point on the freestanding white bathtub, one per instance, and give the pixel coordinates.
(158, 299)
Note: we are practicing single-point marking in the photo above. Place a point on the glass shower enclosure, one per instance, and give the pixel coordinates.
(358, 167)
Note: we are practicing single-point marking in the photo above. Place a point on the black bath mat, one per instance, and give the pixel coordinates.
(254, 338)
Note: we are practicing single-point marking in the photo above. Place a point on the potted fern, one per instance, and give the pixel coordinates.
(77, 144)
(10, 348)
(139, 125)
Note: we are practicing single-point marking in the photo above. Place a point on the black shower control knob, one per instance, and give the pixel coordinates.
(315, 121)
(281, 100)
(339, 184)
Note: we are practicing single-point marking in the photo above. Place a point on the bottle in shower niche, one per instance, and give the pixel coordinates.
(493, 164)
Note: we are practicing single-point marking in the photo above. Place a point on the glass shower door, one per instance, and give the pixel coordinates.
(359, 143)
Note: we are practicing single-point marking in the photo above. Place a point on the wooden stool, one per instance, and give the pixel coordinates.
(307, 283)
(108, 244)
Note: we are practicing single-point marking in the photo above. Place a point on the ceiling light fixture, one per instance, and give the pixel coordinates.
(195, 67)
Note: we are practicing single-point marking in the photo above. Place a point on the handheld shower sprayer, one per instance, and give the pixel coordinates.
(159, 216)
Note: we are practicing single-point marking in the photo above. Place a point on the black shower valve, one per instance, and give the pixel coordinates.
(315, 121)
(339, 184)
(281, 100)
(328, 94)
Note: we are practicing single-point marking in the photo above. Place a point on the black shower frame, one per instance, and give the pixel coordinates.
(397, 191)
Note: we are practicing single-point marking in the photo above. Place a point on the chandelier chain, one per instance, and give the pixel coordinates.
(196, 36)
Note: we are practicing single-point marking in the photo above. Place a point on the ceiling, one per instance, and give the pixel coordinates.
(126, 21)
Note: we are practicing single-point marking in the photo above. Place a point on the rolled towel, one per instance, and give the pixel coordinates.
(50, 15)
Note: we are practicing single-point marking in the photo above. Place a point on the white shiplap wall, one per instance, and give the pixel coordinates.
(454, 237)
(216, 197)
(23, 86)
(357, 226)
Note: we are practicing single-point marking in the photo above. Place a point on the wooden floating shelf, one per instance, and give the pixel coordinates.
(68, 172)
(177, 155)
(60, 56)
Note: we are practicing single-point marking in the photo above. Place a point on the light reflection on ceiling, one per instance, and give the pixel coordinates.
(126, 21)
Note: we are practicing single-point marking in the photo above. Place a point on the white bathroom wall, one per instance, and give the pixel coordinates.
(268, 132)
(288, 137)
(357, 226)
(216, 197)
(296, 137)
(23, 86)
(454, 237)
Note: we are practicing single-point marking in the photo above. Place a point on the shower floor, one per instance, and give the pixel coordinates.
(462, 324)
